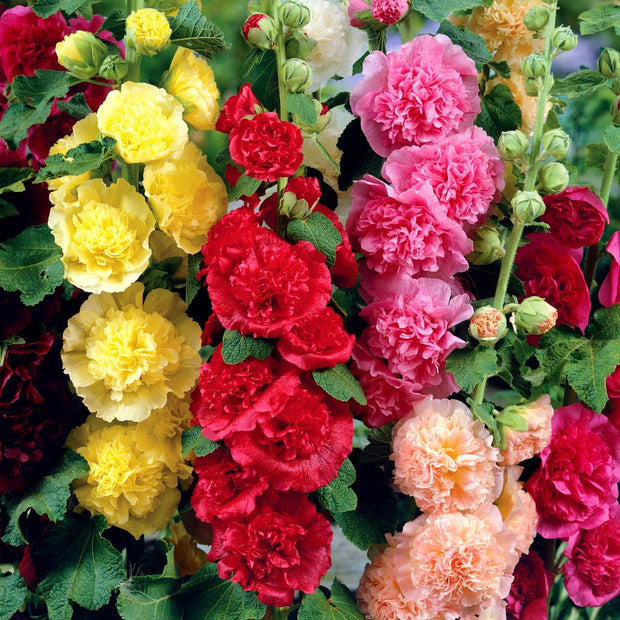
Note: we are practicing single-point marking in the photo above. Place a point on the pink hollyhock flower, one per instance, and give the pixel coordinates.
(244, 104)
(405, 231)
(464, 169)
(528, 594)
(444, 458)
(418, 94)
(613, 384)
(576, 483)
(575, 216)
(357, 6)
(389, 12)
(551, 271)
(281, 546)
(609, 293)
(592, 573)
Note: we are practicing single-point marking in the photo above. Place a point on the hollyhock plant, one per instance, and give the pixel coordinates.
(609, 293)
(527, 599)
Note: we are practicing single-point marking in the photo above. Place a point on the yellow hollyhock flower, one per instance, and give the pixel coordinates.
(104, 235)
(188, 557)
(187, 197)
(146, 122)
(81, 53)
(147, 31)
(125, 355)
(191, 81)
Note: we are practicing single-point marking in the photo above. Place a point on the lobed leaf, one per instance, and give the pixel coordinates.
(149, 597)
(577, 84)
(472, 365)
(499, 112)
(337, 496)
(440, 9)
(191, 29)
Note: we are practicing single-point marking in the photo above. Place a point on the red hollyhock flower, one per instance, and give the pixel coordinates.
(528, 595)
(225, 489)
(301, 446)
(282, 546)
(609, 293)
(266, 147)
(237, 107)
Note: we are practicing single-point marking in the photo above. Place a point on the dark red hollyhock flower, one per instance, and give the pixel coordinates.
(550, 270)
(301, 446)
(225, 489)
(212, 331)
(282, 546)
(235, 397)
(528, 595)
(42, 137)
(576, 216)
(237, 107)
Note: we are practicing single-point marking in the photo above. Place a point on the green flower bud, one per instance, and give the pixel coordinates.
(556, 142)
(533, 316)
(535, 66)
(259, 31)
(81, 53)
(488, 324)
(536, 18)
(531, 87)
(322, 118)
(294, 14)
(297, 75)
(113, 68)
(527, 206)
(293, 208)
(608, 63)
(487, 245)
(512, 145)
(564, 38)
(553, 177)
(299, 45)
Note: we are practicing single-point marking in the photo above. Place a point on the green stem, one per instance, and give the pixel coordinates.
(279, 613)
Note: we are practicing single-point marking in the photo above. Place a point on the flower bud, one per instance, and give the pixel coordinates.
(259, 31)
(531, 87)
(487, 245)
(299, 45)
(533, 316)
(564, 38)
(512, 145)
(608, 63)
(297, 75)
(536, 18)
(527, 206)
(553, 177)
(294, 14)
(535, 66)
(323, 115)
(113, 68)
(81, 53)
(147, 31)
(292, 207)
(556, 142)
(488, 324)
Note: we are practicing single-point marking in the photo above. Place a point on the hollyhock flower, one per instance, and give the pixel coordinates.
(244, 104)
(464, 169)
(461, 561)
(612, 384)
(528, 594)
(405, 231)
(389, 12)
(576, 216)
(148, 31)
(188, 557)
(576, 483)
(550, 270)
(444, 458)
(282, 546)
(125, 354)
(301, 445)
(41, 137)
(419, 94)
(592, 573)
(266, 147)
(29, 41)
(609, 293)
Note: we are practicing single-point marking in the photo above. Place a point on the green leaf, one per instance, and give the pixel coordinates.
(48, 497)
(347, 301)
(191, 29)
(471, 365)
(149, 597)
(339, 383)
(339, 606)
(499, 112)
(12, 179)
(82, 567)
(44, 85)
(46, 8)
(484, 413)
(236, 347)
(205, 595)
(501, 67)
(115, 23)
(192, 284)
(192, 440)
(319, 231)
(18, 118)
(7, 209)
(612, 138)
(600, 18)
(30, 263)
(13, 591)
(245, 186)
(472, 44)
(357, 156)
(76, 106)
(337, 496)
(577, 84)
(302, 106)
(263, 75)
(438, 10)
(596, 155)
(379, 446)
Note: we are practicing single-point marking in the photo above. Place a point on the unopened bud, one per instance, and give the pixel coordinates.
(487, 245)
(608, 63)
(512, 145)
(299, 45)
(297, 75)
(488, 324)
(535, 66)
(292, 207)
(259, 31)
(553, 177)
(294, 14)
(81, 53)
(556, 142)
(533, 316)
(113, 68)
(147, 31)
(527, 206)
(564, 38)
(323, 115)
(536, 18)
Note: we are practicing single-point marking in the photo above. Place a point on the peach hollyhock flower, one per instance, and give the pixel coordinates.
(125, 354)
(146, 122)
(461, 562)
(186, 195)
(444, 458)
(522, 445)
(190, 80)
(104, 235)
(148, 31)
(128, 484)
